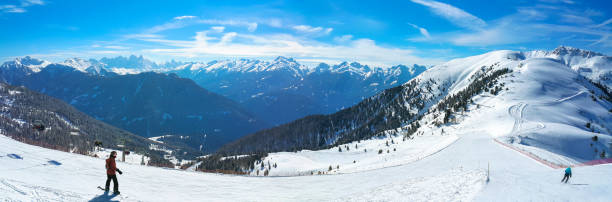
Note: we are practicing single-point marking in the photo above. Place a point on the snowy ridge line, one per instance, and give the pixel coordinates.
(551, 164)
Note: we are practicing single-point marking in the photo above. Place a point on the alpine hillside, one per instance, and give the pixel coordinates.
(39, 119)
(147, 104)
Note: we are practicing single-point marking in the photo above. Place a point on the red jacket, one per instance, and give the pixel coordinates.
(111, 167)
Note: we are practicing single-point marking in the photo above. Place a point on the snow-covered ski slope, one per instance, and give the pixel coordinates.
(457, 173)
(543, 113)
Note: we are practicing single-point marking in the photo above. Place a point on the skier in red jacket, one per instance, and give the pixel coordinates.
(111, 167)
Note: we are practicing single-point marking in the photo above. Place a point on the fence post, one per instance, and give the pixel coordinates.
(488, 171)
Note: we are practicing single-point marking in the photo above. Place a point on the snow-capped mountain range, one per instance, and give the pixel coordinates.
(268, 93)
(283, 90)
(278, 91)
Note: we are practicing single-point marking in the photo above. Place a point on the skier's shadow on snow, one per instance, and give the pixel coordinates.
(104, 197)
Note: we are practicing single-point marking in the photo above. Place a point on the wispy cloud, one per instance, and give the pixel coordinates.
(21, 7)
(537, 23)
(575, 19)
(343, 38)
(184, 21)
(184, 17)
(604, 23)
(287, 39)
(117, 47)
(232, 44)
(307, 29)
(558, 1)
(11, 9)
(453, 14)
(423, 31)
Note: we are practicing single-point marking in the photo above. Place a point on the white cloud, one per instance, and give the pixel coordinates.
(453, 14)
(218, 29)
(12, 9)
(274, 23)
(184, 17)
(227, 38)
(26, 3)
(537, 24)
(575, 19)
(307, 29)
(343, 38)
(21, 7)
(247, 45)
(116, 47)
(140, 36)
(558, 1)
(423, 31)
(511, 31)
(604, 23)
(192, 20)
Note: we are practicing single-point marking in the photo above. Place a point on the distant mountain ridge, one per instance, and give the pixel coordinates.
(277, 91)
(283, 90)
(147, 104)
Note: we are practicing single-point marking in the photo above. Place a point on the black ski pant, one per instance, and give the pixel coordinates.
(115, 183)
(565, 178)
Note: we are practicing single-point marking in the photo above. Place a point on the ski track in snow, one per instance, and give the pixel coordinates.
(540, 155)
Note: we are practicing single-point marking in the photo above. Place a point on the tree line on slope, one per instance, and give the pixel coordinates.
(65, 128)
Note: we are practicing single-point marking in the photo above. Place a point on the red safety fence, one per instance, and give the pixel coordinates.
(551, 164)
(596, 162)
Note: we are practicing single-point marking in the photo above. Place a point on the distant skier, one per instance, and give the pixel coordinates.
(111, 167)
(568, 174)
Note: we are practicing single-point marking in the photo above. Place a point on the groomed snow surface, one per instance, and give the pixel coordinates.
(456, 173)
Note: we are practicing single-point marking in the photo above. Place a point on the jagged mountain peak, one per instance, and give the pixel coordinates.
(30, 63)
(283, 59)
(571, 51)
(131, 62)
(27, 60)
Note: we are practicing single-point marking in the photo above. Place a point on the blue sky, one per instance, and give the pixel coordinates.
(372, 32)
